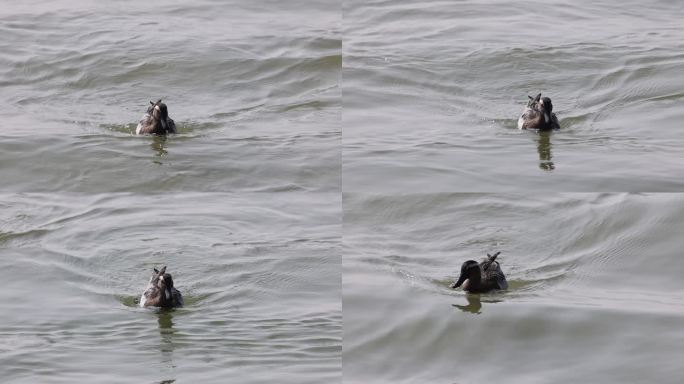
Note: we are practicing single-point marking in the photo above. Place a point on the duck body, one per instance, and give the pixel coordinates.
(160, 291)
(538, 115)
(156, 121)
(483, 277)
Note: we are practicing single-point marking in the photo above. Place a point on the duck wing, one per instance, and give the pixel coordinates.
(177, 298)
(485, 264)
(146, 125)
(496, 277)
(530, 118)
(492, 273)
(170, 126)
(554, 121)
(151, 297)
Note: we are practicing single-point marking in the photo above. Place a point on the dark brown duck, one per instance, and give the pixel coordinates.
(483, 277)
(160, 292)
(156, 120)
(538, 115)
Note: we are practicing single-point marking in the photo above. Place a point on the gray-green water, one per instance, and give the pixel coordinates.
(319, 183)
(433, 91)
(243, 205)
(260, 276)
(431, 94)
(594, 293)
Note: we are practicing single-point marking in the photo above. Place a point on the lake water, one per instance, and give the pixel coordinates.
(433, 91)
(243, 205)
(335, 164)
(594, 294)
(259, 273)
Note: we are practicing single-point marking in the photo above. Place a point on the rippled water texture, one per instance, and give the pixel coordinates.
(253, 90)
(260, 277)
(433, 90)
(594, 293)
(243, 205)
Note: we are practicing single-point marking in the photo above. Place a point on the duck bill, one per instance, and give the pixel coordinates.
(459, 282)
(164, 125)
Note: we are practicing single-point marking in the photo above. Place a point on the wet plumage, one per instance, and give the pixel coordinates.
(483, 277)
(156, 120)
(160, 291)
(538, 115)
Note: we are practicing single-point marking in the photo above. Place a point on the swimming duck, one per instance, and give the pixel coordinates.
(482, 277)
(160, 292)
(538, 115)
(156, 120)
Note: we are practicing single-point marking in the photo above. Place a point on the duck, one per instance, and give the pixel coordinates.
(160, 291)
(156, 120)
(483, 277)
(538, 115)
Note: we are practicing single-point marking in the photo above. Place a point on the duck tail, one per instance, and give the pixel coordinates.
(492, 257)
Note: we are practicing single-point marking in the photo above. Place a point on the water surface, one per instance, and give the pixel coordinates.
(433, 90)
(253, 90)
(594, 288)
(260, 277)
(243, 204)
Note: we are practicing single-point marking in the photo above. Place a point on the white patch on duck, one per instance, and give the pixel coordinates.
(143, 298)
(465, 284)
(167, 292)
(547, 118)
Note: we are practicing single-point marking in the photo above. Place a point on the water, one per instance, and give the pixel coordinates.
(254, 94)
(433, 90)
(594, 288)
(260, 280)
(279, 200)
(432, 93)
(243, 205)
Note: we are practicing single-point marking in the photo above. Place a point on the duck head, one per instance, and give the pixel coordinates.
(546, 108)
(160, 113)
(164, 282)
(470, 275)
